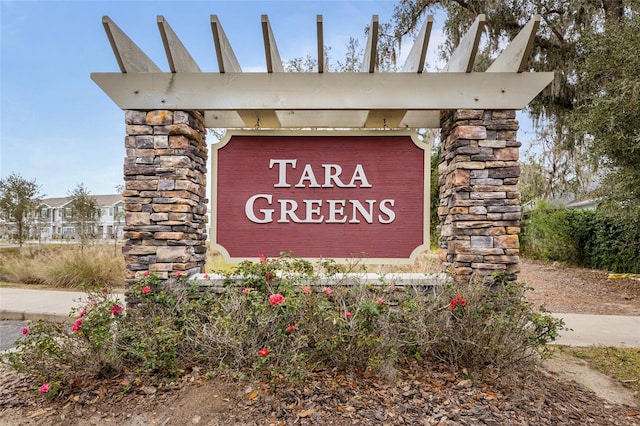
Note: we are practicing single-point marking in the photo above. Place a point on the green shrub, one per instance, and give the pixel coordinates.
(280, 325)
(547, 234)
(602, 239)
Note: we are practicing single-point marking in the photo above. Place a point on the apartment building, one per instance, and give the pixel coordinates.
(54, 222)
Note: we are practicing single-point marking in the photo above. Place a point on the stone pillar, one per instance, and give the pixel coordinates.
(165, 194)
(479, 202)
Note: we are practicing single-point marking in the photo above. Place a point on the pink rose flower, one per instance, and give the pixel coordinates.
(45, 388)
(348, 314)
(264, 352)
(306, 290)
(75, 328)
(205, 276)
(328, 291)
(262, 258)
(178, 274)
(380, 301)
(276, 299)
(147, 273)
(291, 328)
(116, 310)
(79, 321)
(146, 289)
(246, 290)
(83, 312)
(25, 330)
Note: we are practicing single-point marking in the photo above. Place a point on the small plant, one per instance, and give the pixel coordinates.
(56, 353)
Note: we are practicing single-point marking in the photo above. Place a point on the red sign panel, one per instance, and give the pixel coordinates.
(320, 195)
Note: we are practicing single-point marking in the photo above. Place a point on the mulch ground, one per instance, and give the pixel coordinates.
(415, 396)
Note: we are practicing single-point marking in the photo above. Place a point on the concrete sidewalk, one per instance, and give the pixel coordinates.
(584, 330)
(606, 330)
(34, 305)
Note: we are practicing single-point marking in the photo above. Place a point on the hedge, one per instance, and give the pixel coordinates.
(598, 239)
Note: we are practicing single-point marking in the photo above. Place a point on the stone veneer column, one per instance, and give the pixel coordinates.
(165, 194)
(479, 202)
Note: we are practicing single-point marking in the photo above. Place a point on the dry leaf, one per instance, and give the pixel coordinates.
(253, 395)
(307, 413)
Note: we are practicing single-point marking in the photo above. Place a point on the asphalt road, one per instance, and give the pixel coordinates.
(10, 331)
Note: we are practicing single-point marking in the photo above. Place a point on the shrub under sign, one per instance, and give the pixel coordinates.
(332, 195)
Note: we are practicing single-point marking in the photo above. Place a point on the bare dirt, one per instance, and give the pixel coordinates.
(570, 289)
(546, 395)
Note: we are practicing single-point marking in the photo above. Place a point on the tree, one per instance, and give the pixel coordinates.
(550, 172)
(19, 199)
(84, 213)
(610, 109)
(557, 48)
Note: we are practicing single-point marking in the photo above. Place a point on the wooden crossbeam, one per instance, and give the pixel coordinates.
(514, 57)
(371, 51)
(259, 119)
(384, 119)
(321, 63)
(418, 53)
(462, 58)
(180, 60)
(274, 63)
(327, 91)
(227, 61)
(129, 56)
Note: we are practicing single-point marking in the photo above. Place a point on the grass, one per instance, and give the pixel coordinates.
(62, 266)
(622, 364)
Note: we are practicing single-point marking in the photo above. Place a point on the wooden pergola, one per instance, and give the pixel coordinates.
(167, 114)
(231, 98)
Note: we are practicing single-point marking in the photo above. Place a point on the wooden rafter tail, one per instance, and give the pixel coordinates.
(274, 63)
(260, 119)
(462, 58)
(321, 64)
(129, 56)
(227, 61)
(180, 60)
(418, 53)
(514, 57)
(384, 119)
(371, 51)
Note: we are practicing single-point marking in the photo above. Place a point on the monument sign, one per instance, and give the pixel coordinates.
(321, 195)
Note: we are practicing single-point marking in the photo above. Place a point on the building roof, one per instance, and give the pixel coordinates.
(106, 200)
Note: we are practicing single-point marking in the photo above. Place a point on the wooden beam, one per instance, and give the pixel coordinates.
(223, 120)
(418, 53)
(129, 56)
(227, 61)
(384, 118)
(274, 63)
(462, 58)
(180, 60)
(259, 119)
(322, 118)
(415, 119)
(514, 57)
(371, 50)
(321, 64)
(327, 91)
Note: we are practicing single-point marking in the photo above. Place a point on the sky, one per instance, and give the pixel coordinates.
(58, 128)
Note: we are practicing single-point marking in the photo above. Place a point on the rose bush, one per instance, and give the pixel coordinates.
(281, 325)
